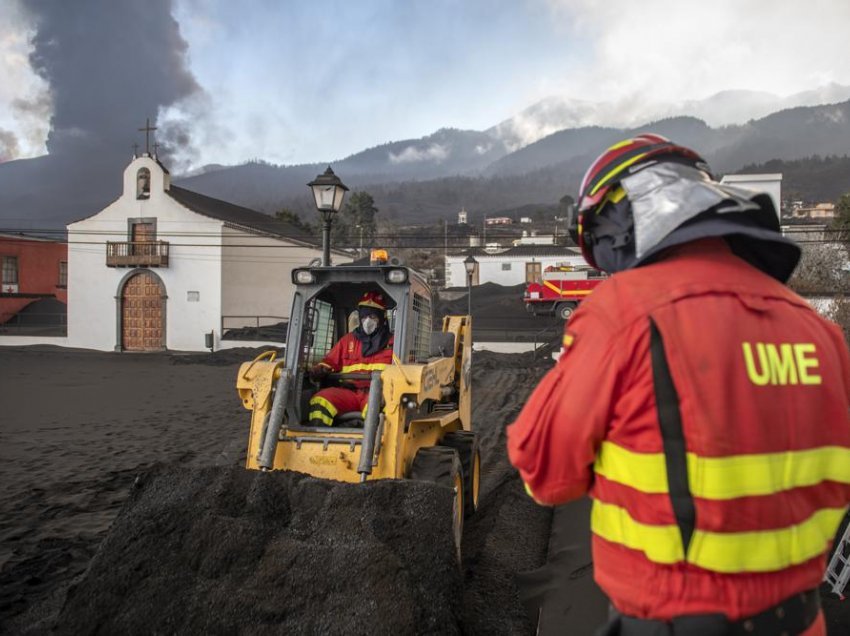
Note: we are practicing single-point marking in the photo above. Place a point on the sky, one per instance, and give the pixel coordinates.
(302, 81)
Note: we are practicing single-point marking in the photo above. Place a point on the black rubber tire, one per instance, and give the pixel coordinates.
(565, 310)
(466, 445)
(441, 465)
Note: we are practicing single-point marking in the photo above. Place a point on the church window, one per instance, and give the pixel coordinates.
(143, 183)
(63, 274)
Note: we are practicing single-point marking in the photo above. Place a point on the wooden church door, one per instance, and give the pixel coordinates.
(142, 315)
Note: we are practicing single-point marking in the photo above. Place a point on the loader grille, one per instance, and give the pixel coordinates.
(421, 345)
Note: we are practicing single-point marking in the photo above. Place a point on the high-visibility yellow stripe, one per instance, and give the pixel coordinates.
(568, 340)
(318, 400)
(374, 366)
(661, 543)
(731, 552)
(322, 417)
(619, 168)
(727, 477)
(566, 292)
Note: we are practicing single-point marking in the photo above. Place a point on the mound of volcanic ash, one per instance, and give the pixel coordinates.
(226, 550)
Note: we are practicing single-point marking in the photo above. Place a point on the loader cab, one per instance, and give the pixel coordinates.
(324, 300)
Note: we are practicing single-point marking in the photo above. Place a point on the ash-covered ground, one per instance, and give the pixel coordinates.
(128, 465)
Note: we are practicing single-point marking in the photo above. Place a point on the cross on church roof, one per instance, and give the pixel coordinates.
(147, 130)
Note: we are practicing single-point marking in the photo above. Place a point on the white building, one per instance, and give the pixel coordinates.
(509, 266)
(162, 267)
(461, 216)
(534, 239)
(770, 183)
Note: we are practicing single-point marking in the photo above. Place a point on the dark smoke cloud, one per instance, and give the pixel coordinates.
(110, 64)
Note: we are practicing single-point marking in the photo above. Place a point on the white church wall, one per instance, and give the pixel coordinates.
(194, 254)
(256, 276)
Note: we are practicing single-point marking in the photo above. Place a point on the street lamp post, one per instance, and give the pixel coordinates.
(470, 264)
(328, 191)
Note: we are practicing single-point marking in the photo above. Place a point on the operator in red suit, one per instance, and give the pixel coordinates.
(700, 403)
(367, 348)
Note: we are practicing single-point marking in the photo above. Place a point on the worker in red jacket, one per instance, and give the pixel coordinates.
(367, 348)
(701, 404)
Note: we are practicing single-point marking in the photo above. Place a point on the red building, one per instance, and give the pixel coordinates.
(33, 280)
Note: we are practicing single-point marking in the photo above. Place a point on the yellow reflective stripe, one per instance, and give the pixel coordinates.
(319, 415)
(747, 475)
(318, 400)
(568, 340)
(374, 366)
(765, 550)
(661, 544)
(757, 551)
(646, 472)
(566, 292)
(727, 477)
(619, 168)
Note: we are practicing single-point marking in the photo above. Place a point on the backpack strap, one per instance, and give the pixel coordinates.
(670, 421)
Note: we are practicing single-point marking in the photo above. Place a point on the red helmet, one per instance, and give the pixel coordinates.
(374, 300)
(610, 167)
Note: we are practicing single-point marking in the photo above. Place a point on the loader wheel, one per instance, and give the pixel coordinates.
(441, 465)
(466, 445)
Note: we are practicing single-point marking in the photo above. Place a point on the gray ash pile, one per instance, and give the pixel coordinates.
(225, 550)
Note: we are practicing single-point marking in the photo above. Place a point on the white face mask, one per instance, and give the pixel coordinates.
(369, 325)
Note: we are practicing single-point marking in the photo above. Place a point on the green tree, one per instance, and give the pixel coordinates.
(355, 224)
(288, 216)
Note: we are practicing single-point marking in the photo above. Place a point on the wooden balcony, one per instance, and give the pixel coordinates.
(137, 254)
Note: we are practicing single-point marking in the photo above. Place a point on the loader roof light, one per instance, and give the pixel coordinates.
(379, 257)
(303, 277)
(397, 276)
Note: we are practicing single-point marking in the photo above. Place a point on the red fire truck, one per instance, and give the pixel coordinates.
(561, 289)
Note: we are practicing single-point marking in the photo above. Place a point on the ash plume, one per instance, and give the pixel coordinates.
(109, 65)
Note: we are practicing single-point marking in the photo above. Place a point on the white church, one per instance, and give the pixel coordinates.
(166, 268)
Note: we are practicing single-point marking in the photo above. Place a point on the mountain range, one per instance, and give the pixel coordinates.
(534, 158)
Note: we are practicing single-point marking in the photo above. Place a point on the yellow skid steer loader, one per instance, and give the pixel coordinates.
(418, 419)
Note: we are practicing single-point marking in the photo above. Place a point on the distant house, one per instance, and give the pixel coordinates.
(167, 268)
(462, 217)
(33, 282)
(819, 211)
(533, 238)
(498, 220)
(508, 266)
